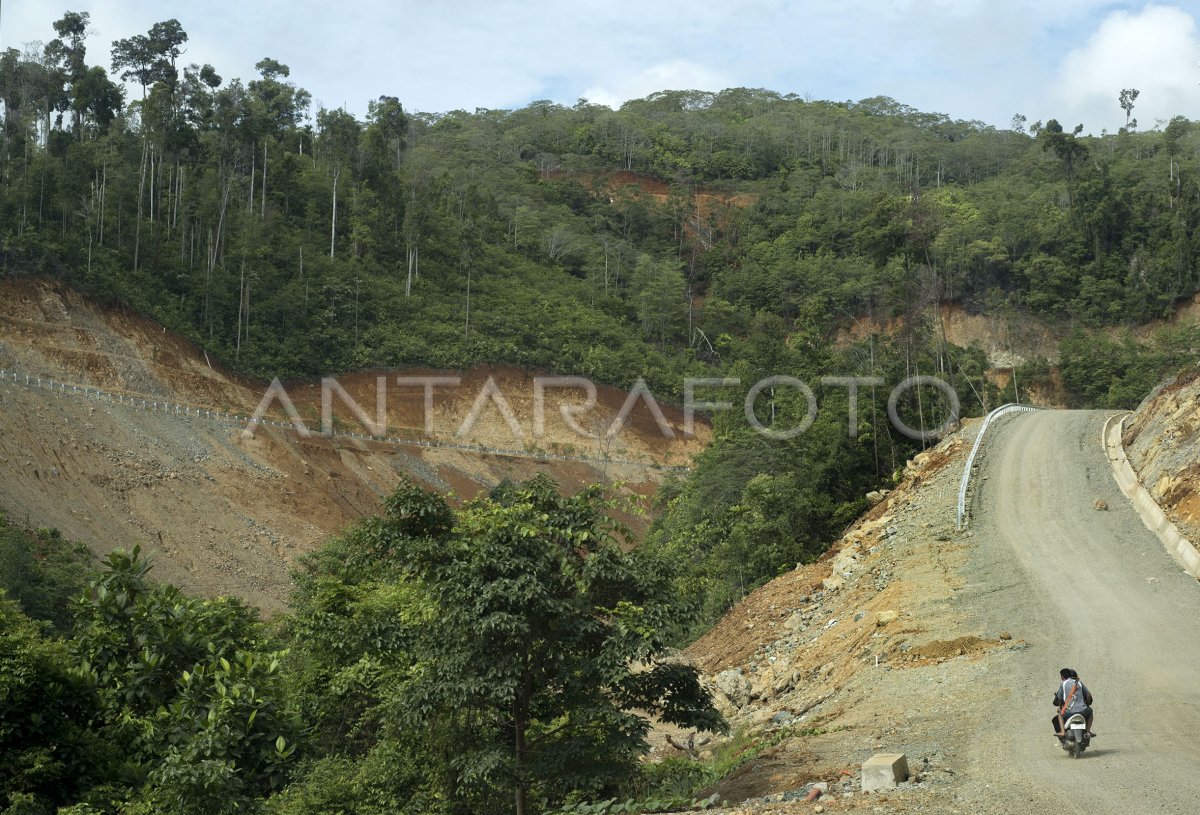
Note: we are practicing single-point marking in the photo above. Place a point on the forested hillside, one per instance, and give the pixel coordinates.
(688, 233)
(296, 241)
(716, 235)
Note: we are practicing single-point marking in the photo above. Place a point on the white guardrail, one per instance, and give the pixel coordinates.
(1003, 410)
(161, 406)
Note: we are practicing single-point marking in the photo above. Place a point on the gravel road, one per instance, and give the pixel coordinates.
(1089, 589)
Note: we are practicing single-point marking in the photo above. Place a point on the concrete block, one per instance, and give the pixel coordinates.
(883, 771)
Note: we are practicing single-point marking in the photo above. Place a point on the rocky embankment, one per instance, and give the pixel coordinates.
(868, 650)
(220, 513)
(1161, 440)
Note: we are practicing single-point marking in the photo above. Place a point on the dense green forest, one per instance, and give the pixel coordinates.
(293, 241)
(727, 234)
(688, 233)
(504, 657)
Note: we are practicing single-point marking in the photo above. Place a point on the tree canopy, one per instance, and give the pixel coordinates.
(502, 657)
(733, 234)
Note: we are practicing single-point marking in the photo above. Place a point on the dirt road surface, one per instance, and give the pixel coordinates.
(1093, 590)
(961, 679)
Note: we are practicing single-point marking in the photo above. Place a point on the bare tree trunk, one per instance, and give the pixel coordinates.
(162, 188)
(521, 706)
(89, 211)
(172, 194)
(691, 334)
(213, 251)
(208, 270)
(178, 195)
(246, 330)
(467, 327)
(519, 750)
(408, 282)
(237, 349)
(337, 171)
(183, 246)
(354, 245)
(263, 210)
(302, 277)
(152, 186)
(103, 197)
(137, 230)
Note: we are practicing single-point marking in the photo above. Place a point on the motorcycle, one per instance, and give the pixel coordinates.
(1075, 738)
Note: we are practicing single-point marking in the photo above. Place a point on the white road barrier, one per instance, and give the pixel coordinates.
(154, 406)
(1003, 410)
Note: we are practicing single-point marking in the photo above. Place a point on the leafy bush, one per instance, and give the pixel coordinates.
(42, 572)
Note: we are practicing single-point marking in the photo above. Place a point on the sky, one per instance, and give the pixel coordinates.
(970, 59)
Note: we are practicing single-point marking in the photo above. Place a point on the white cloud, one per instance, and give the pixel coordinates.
(985, 59)
(1154, 51)
(676, 74)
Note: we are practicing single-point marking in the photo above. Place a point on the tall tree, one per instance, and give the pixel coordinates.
(1126, 98)
(1070, 151)
(339, 133)
(166, 40)
(536, 581)
(72, 30)
(150, 57)
(134, 58)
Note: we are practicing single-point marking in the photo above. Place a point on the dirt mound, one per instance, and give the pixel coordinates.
(941, 650)
(222, 513)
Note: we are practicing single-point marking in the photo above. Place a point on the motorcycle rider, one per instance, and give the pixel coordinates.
(1072, 697)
